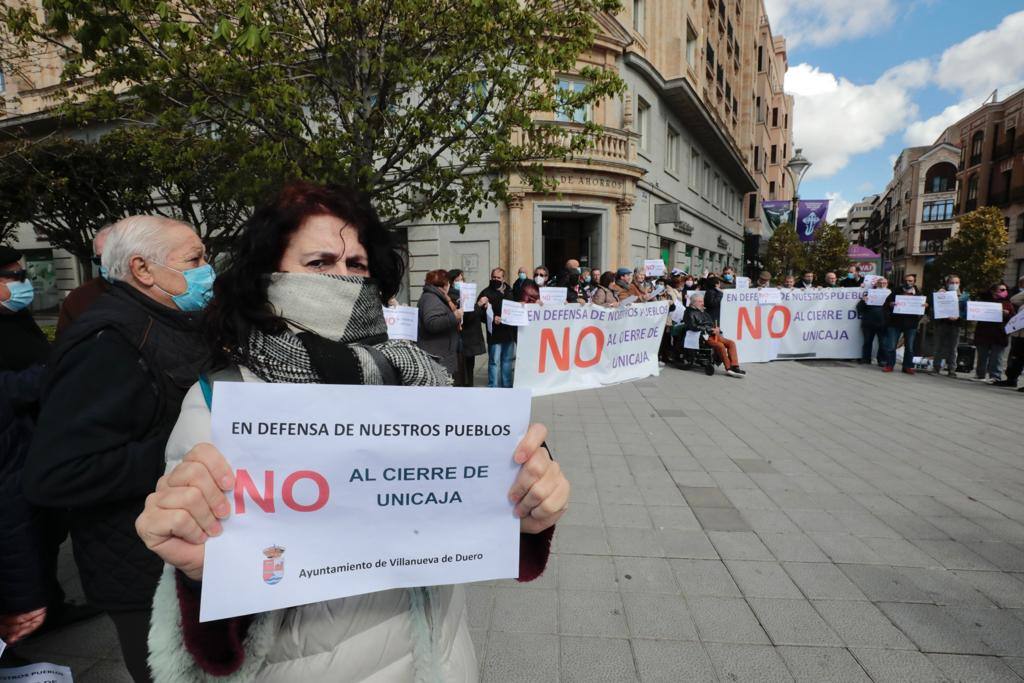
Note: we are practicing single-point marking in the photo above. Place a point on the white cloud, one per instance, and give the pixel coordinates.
(835, 118)
(927, 131)
(985, 61)
(838, 207)
(824, 22)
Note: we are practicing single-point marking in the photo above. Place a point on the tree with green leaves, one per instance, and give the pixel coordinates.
(830, 250)
(787, 255)
(977, 252)
(430, 106)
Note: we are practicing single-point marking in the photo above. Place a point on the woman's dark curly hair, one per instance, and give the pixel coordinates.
(240, 290)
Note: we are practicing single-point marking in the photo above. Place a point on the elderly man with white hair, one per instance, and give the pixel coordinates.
(118, 377)
(697, 319)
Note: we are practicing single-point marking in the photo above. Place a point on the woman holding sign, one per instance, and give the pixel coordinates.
(440, 321)
(300, 302)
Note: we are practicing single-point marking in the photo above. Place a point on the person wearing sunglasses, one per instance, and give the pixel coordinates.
(991, 339)
(80, 299)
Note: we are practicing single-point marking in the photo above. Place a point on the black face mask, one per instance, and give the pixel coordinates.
(496, 284)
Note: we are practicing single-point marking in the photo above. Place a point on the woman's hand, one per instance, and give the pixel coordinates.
(540, 491)
(186, 509)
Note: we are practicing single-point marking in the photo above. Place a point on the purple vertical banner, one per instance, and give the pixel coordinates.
(810, 215)
(778, 211)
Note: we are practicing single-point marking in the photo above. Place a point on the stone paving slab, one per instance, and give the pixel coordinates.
(811, 522)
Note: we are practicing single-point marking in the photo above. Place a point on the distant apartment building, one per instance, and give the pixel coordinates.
(858, 218)
(698, 139)
(991, 168)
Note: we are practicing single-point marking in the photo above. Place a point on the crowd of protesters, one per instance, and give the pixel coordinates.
(105, 436)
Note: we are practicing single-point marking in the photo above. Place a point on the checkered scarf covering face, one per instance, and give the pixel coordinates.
(341, 308)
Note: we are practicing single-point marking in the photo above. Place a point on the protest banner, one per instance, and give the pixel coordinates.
(513, 314)
(1015, 323)
(402, 322)
(612, 345)
(985, 311)
(909, 305)
(654, 267)
(877, 297)
(467, 296)
(554, 296)
(347, 490)
(947, 305)
(812, 323)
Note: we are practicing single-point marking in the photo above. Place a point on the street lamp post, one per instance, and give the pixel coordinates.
(797, 167)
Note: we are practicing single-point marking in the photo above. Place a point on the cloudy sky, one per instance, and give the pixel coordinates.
(871, 77)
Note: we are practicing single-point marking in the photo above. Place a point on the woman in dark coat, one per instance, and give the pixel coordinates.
(991, 339)
(471, 336)
(440, 321)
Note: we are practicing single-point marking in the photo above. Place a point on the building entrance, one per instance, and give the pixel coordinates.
(568, 236)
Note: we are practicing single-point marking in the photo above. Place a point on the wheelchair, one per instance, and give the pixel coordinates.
(692, 359)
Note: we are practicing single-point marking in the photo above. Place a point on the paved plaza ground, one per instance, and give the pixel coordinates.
(817, 521)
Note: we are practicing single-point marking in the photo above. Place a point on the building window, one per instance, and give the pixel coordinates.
(718, 191)
(707, 181)
(710, 51)
(672, 151)
(643, 122)
(695, 169)
(757, 158)
(760, 58)
(771, 189)
(577, 114)
(752, 209)
(783, 181)
(785, 152)
(940, 178)
(757, 106)
(775, 117)
(785, 122)
(976, 141)
(3, 81)
(972, 193)
(1020, 228)
(775, 154)
(691, 45)
(937, 211)
(638, 16)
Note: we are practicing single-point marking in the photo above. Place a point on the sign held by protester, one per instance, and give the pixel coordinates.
(947, 305)
(467, 296)
(985, 311)
(513, 314)
(877, 297)
(346, 490)
(654, 267)
(554, 296)
(909, 305)
(41, 672)
(403, 322)
(610, 345)
(742, 282)
(1016, 323)
(769, 296)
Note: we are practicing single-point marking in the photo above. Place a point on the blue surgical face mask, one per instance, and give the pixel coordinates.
(522, 276)
(850, 276)
(199, 288)
(455, 286)
(727, 277)
(22, 294)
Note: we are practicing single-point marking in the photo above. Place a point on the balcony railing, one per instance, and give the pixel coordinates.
(930, 247)
(610, 145)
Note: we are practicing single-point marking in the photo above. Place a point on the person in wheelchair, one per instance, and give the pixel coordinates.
(697, 319)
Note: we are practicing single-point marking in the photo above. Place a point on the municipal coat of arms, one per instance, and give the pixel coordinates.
(273, 566)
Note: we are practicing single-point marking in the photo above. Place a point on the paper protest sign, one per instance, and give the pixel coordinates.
(869, 281)
(467, 295)
(742, 282)
(553, 296)
(654, 267)
(1016, 323)
(909, 305)
(658, 291)
(947, 305)
(489, 315)
(878, 297)
(692, 340)
(769, 296)
(347, 490)
(513, 313)
(985, 311)
(36, 673)
(402, 321)
(628, 300)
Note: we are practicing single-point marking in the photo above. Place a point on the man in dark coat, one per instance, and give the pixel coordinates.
(116, 383)
(30, 537)
(901, 324)
(501, 339)
(85, 295)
